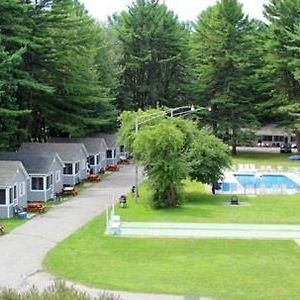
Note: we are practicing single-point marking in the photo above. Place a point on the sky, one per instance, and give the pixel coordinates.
(187, 10)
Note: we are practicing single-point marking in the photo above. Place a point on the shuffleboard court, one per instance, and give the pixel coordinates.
(196, 230)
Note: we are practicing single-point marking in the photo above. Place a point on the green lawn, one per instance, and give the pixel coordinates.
(202, 207)
(11, 224)
(262, 158)
(217, 268)
(222, 269)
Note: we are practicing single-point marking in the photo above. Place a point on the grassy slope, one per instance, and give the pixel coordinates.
(223, 269)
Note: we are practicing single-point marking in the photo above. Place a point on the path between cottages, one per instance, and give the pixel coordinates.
(23, 250)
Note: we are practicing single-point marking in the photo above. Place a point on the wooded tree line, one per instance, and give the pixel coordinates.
(64, 73)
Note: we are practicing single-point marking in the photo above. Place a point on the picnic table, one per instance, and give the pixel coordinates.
(93, 178)
(35, 207)
(2, 229)
(69, 190)
(112, 167)
(124, 161)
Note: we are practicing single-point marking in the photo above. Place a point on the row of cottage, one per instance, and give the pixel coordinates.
(40, 170)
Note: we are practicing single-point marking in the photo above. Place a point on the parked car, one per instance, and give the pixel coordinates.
(286, 148)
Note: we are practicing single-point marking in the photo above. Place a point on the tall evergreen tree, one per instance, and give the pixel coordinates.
(9, 109)
(283, 60)
(155, 56)
(224, 68)
(66, 62)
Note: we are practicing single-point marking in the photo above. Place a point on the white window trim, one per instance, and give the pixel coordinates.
(44, 184)
(21, 190)
(57, 176)
(6, 196)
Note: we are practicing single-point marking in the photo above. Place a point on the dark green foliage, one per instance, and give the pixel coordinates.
(155, 56)
(9, 112)
(224, 68)
(56, 66)
(59, 291)
(283, 60)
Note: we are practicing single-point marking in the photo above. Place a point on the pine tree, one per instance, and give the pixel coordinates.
(283, 60)
(224, 68)
(66, 62)
(155, 56)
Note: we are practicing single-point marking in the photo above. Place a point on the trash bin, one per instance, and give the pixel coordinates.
(22, 215)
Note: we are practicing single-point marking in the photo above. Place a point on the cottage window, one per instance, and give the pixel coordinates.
(91, 159)
(2, 196)
(268, 138)
(48, 182)
(109, 153)
(57, 176)
(11, 195)
(68, 169)
(98, 159)
(15, 192)
(22, 189)
(76, 167)
(278, 138)
(37, 183)
(51, 179)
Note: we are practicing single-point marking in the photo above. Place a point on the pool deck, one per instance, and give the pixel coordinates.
(238, 188)
(196, 230)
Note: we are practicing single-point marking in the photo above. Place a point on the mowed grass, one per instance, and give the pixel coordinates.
(11, 224)
(216, 268)
(221, 269)
(265, 158)
(199, 206)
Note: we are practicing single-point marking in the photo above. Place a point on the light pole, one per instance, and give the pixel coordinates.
(173, 113)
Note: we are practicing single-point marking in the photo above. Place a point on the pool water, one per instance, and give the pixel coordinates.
(268, 181)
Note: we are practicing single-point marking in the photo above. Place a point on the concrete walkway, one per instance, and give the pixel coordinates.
(23, 250)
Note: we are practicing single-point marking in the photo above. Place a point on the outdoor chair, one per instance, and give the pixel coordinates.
(122, 201)
(234, 200)
(17, 210)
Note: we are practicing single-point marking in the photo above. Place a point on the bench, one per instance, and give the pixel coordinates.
(115, 225)
(2, 229)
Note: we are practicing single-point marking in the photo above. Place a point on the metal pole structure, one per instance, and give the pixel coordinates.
(136, 167)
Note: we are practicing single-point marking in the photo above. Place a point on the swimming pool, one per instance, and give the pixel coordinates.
(268, 181)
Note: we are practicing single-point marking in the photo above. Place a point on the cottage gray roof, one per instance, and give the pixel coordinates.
(67, 152)
(93, 145)
(8, 172)
(33, 163)
(110, 138)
